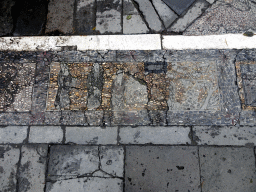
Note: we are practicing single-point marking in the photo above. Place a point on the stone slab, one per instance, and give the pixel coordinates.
(91, 135)
(161, 168)
(13, 134)
(45, 134)
(214, 135)
(227, 169)
(60, 17)
(179, 6)
(155, 135)
(32, 168)
(88, 184)
(9, 158)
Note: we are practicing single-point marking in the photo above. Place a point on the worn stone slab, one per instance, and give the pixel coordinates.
(9, 158)
(6, 20)
(108, 16)
(87, 184)
(194, 12)
(45, 134)
(60, 17)
(213, 135)
(68, 162)
(32, 168)
(179, 6)
(161, 168)
(13, 134)
(91, 135)
(112, 160)
(220, 167)
(234, 16)
(155, 135)
(150, 15)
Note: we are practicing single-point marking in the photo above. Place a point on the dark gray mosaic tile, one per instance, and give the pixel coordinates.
(52, 118)
(158, 117)
(73, 118)
(179, 6)
(15, 118)
(94, 118)
(106, 56)
(140, 56)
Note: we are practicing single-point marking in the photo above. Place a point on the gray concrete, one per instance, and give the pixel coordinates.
(60, 16)
(32, 168)
(155, 168)
(9, 158)
(13, 134)
(227, 169)
(91, 135)
(45, 134)
(88, 184)
(155, 135)
(215, 135)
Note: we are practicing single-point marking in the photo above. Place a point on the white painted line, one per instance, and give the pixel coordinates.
(97, 42)
(227, 41)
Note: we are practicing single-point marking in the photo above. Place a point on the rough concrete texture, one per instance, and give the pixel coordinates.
(150, 15)
(155, 135)
(13, 134)
(6, 20)
(60, 16)
(160, 168)
(225, 16)
(91, 135)
(216, 135)
(9, 158)
(195, 11)
(88, 184)
(32, 168)
(108, 16)
(45, 134)
(227, 169)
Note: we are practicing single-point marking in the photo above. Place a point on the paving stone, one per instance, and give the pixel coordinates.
(9, 158)
(45, 134)
(60, 16)
(68, 162)
(52, 118)
(32, 168)
(106, 56)
(194, 12)
(6, 20)
(73, 118)
(161, 168)
(234, 16)
(112, 160)
(88, 184)
(91, 135)
(31, 17)
(108, 16)
(132, 21)
(155, 135)
(248, 118)
(220, 167)
(85, 17)
(167, 15)
(150, 15)
(216, 135)
(179, 6)
(13, 134)
(94, 118)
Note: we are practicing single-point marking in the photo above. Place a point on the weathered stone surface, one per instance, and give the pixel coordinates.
(166, 14)
(108, 16)
(150, 15)
(248, 118)
(94, 118)
(73, 118)
(13, 134)
(179, 6)
(88, 184)
(232, 16)
(68, 162)
(132, 21)
(32, 168)
(154, 135)
(194, 12)
(45, 134)
(60, 17)
(52, 118)
(214, 135)
(9, 158)
(85, 17)
(112, 160)
(154, 168)
(91, 135)
(227, 169)
(6, 20)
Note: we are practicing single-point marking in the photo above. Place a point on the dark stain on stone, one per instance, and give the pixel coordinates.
(229, 171)
(156, 67)
(109, 162)
(180, 167)
(108, 5)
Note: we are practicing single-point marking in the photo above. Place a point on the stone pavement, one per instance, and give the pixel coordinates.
(91, 17)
